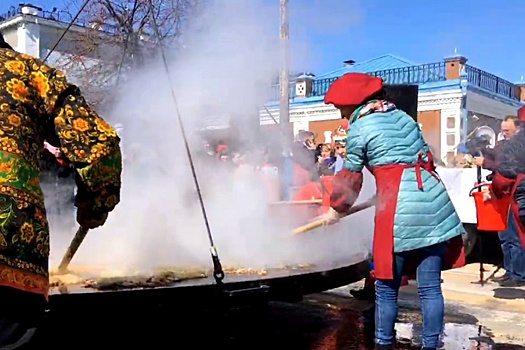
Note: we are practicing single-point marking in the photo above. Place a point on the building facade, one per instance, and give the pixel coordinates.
(454, 99)
(54, 36)
(34, 31)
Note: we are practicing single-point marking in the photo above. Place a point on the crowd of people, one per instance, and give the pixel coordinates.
(313, 161)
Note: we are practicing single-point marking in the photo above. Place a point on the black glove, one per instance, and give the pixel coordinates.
(88, 218)
(65, 171)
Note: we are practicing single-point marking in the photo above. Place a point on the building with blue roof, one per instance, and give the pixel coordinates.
(454, 99)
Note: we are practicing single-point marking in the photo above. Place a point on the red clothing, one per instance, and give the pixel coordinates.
(502, 186)
(346, 188)
(301, 176)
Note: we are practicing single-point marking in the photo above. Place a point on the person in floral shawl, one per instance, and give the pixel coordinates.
(37, 105)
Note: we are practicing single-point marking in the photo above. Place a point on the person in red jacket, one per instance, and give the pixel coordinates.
(509, 180)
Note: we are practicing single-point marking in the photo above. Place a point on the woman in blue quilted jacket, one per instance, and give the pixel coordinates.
(415, 221)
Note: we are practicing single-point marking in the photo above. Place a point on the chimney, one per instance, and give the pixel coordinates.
(31, 10)
(349, 63)
(520, 90)
(453, 65)
(304, 85)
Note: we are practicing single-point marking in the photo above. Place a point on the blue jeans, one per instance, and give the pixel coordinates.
(429, 262)
(513, 251)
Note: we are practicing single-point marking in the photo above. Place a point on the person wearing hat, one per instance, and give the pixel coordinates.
(339, 141)
(509, 180)
(37, 105)
(415, 221)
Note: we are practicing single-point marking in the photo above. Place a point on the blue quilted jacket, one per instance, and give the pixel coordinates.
(422, 217)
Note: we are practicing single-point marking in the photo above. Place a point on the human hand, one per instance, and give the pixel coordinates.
(487, 196)
(479, 161)
(87, 218)
(332, 217)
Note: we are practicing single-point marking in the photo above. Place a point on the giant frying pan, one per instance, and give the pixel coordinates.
(278, 285)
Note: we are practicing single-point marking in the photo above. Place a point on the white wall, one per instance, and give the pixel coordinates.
(449, 103)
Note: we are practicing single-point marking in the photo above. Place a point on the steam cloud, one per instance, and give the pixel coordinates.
(229, 61)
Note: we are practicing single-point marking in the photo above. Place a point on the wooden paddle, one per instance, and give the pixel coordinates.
(302, 202)
(72, 249)
(321, 222)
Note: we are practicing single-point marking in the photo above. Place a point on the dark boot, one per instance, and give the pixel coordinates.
(384, 347)
(367, 294)
(503, 278)
(512, 283)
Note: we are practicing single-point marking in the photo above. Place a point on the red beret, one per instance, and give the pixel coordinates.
(352, 89)
(521, 114)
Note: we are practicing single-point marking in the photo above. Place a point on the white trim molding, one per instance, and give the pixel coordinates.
(439, 100)
(320, 111)
(311, 113)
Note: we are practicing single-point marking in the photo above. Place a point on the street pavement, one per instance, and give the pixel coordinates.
(499, 311)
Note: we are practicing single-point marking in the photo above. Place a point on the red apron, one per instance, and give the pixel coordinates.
(388, 180)
(502, 186)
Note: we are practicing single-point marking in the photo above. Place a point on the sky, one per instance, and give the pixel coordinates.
(487, 32)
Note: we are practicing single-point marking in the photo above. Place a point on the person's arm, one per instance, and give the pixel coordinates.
(507, 169)
(490, 156)
(88, 142)
(349, 181)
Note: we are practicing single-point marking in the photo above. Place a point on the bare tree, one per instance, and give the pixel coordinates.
(119, 36)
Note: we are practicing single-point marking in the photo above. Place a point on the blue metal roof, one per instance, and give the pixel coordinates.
(407, 74)
(430, 77)
(435, 86)
(380, 63)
